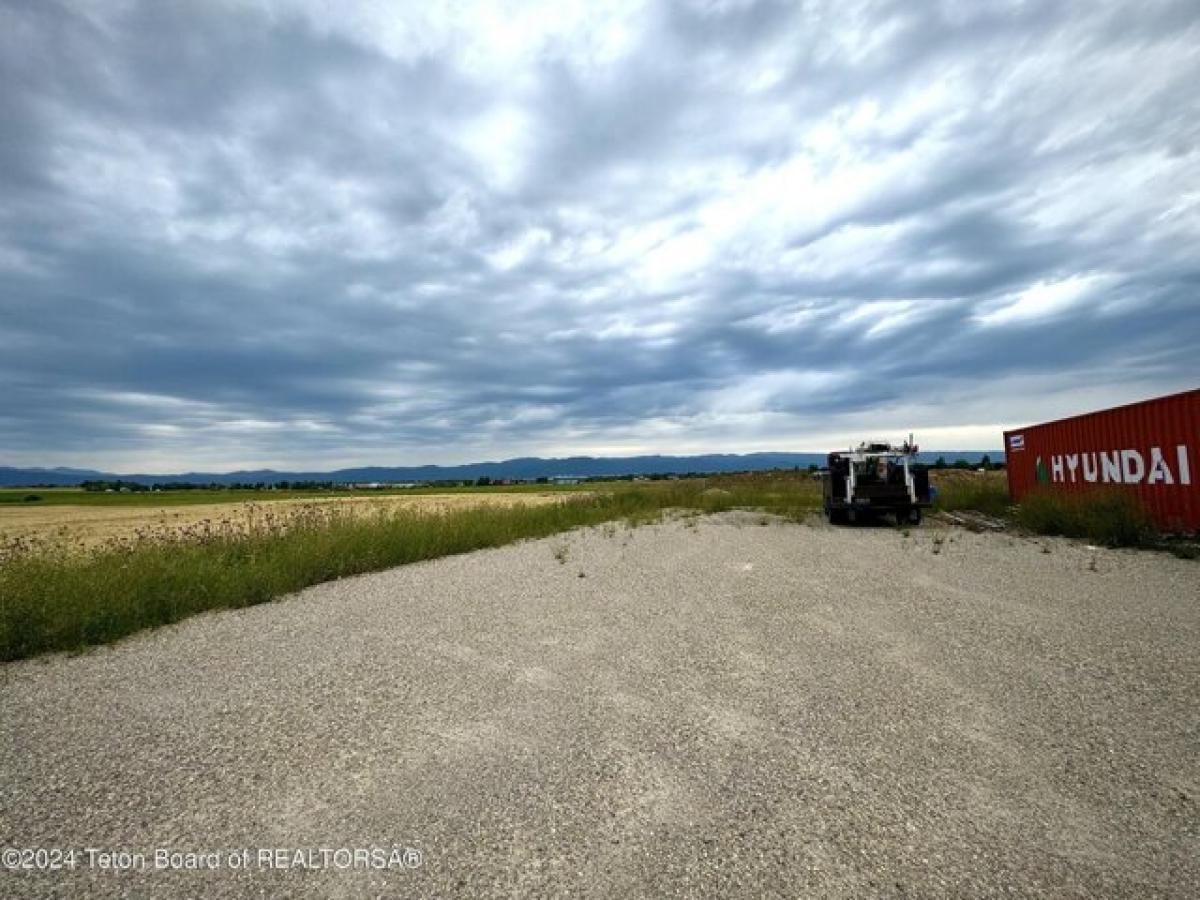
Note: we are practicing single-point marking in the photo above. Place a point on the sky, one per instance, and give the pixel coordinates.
(303, 234)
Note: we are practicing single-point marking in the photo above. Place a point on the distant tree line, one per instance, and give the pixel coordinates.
(117, 485)
(984, 463)
(123, 486)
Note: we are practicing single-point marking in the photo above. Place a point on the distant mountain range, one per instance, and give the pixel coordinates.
(524, 468)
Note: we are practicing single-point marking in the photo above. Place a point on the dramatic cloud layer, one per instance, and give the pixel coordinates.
(314, 234)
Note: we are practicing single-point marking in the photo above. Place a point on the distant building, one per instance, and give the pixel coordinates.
(566, 479)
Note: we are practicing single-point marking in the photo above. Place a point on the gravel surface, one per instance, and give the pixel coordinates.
(727, 706)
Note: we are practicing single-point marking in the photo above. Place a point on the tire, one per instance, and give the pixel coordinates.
(914, 516)
(852, 516)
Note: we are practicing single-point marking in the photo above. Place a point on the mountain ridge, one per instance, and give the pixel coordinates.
(525, 467)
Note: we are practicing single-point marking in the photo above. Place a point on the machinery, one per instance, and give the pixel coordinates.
(876, 478)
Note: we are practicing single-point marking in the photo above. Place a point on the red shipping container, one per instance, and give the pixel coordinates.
(1151, 448)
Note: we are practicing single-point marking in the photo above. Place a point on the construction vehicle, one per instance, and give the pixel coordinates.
(876, 478)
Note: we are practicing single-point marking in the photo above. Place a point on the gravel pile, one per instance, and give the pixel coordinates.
(722, 706)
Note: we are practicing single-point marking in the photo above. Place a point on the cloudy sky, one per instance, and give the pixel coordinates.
(309, 234)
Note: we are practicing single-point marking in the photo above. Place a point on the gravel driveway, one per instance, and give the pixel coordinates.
(728, 706)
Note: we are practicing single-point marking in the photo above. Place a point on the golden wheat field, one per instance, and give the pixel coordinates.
(89, 526)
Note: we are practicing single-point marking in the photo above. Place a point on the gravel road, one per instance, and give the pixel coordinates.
(728, 706)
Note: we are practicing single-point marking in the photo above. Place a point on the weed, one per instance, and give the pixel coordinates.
(1110, 517)
(561, 553)
(984, 492)
(58, 596)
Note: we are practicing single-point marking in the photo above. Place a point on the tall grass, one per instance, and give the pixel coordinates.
(1111, 517)
(985, 492)
(54, 599)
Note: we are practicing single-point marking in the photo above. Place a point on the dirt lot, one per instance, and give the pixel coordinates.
(87, 526)
(727, 706)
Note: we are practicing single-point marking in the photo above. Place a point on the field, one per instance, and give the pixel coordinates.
(76, 574)
(85, 520)
(697, 682)
(61, 592)
(71, 496)
(734, 705)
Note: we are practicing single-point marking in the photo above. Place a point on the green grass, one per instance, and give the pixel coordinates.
(53, 599)
(985, 492)
(22, 496)
(1110, 517)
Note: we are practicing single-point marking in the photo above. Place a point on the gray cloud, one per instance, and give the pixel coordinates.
(280, 233)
